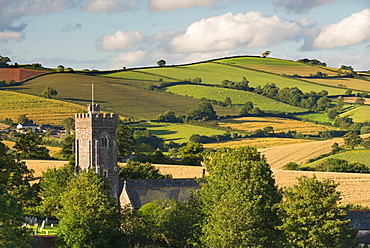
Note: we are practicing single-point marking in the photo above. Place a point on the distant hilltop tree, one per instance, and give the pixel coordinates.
(265, 54)
(4, 61)
(161, 63)
(311, 62)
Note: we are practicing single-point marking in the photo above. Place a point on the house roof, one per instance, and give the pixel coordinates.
(360, 219)
(141, 192)
(365, 239)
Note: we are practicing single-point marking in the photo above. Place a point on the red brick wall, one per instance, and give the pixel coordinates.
(17, 74)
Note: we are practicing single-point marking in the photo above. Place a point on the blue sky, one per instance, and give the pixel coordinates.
(111, 34)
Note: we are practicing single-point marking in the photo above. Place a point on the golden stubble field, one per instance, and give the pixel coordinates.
(279, 124)
(354, 187)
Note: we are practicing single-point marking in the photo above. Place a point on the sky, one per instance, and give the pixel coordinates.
(112, 34)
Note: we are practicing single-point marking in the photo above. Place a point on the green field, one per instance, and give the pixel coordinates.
(236, 96)
(124, 97)
(258, 61)
(359, 114)
(178, 133)
(139, 75)
(320, 117)
(362, 156)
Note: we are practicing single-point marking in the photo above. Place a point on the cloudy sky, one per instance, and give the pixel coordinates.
(111, 34)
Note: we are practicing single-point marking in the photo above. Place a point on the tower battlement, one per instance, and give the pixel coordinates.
(96, 116)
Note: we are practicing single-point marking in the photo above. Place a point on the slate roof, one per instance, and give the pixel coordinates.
(364, 240)
(360, 219)
(137, 193)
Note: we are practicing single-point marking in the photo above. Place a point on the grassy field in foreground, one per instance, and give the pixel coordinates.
(236, 96)
(178, 133)
(125, 97)
(360, 114)
(38, 109)
(279, 124)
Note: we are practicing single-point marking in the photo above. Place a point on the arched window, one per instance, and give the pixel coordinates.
(104, 141)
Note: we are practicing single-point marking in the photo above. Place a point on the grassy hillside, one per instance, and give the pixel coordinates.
(125, 97)
(361, 156)
(38, 109)
(359, 114)
(236, 96)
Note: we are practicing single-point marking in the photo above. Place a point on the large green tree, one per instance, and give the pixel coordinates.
(89, 217)
(203, 111)
(15, 176)
(137, 170)
(239, 199)
(49, 92)
(12, 231)
(30, 145)
(52, 185)
(311, 217)
(125, 140)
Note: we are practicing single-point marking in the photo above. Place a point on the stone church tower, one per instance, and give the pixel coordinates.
(96, 145)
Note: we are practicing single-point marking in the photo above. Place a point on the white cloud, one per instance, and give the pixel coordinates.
(165, 5)
(109, 6)
(120, 40)
(299, 6)
(10, 35)
(360, 62)
(127, 59)
(228, 31)
(350, 31)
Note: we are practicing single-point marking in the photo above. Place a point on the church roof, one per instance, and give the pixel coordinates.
(137, 193)
(360, 219)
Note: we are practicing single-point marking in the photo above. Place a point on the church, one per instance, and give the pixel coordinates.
(96, 149)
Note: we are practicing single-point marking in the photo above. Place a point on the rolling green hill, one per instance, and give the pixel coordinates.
(359, 114)
(126, 97)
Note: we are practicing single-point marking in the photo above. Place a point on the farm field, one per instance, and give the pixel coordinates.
(178, 133)
(256, 142)
(139, 75)
(359, 114)
(277, 66)
(42, 165)
(320, 117)
(38, 109)
(345, 83)
(236, 96)
(52, 150)
(362, 156)
(125, 97)
(279, 124)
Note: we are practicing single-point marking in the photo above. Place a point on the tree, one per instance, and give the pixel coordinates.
(238, 201)
(360, 101)
(137, 170)
(52, 186)
(227, 101)
(68, 124)
(22, 118)
(265, 54)
(332, 113)
(89, 217)
(204, 111)
(169, 223)
(340, 103)
(125, 140)
(60, 68)
(49, 92)
(352, 139)
(12, 232)
(192, 153)
(311, 217)
(169, 116)
(14, 177)
(161, 63)
(4, 61)
(30, 145)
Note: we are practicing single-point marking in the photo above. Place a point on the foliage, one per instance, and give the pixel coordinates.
(341, 165)
(125, 140)
(265, 54)
(352, 139)
(169, 116)
(12, 233)
(204, 111)
(311, 217)
(52, 185)
(14, 177)
(161, 63)
(49, 92)
(239, 200)
(89, 217)
(30, 145)
(311, 62)
(148, 139)
(291, 166)
(192, 154)
(68, 124)
(169, 223)
(67, 147)
(137, 170)
(23, 119)
(243, 85)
